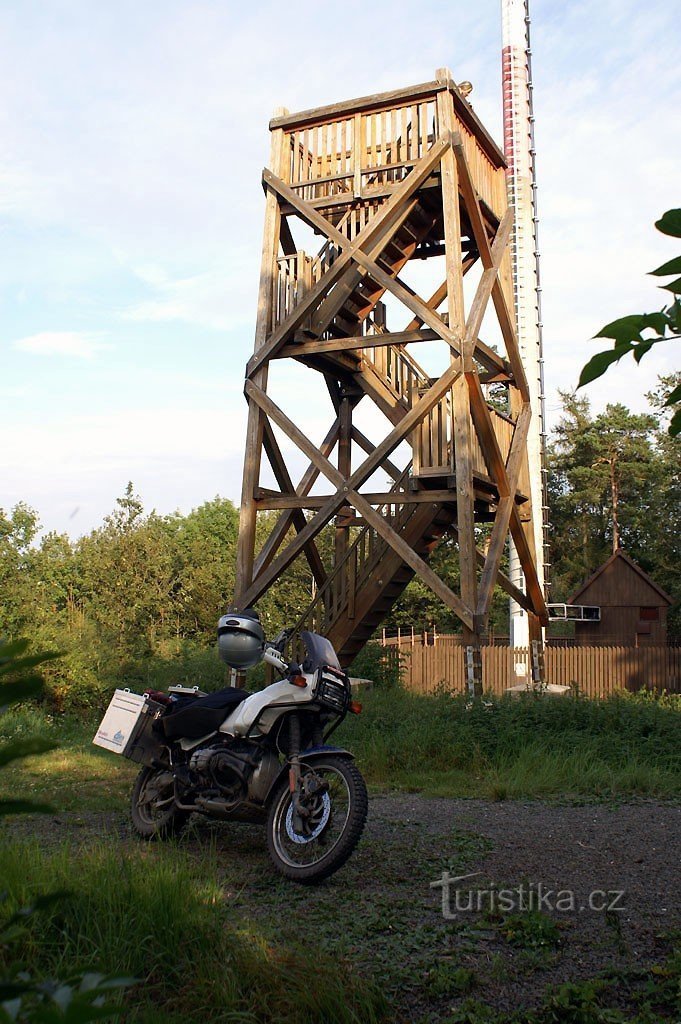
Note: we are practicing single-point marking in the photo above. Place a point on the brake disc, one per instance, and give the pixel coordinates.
(301, 838)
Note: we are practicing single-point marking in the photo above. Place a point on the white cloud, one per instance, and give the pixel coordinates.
(176, 456)
(222, 299)
(77, 344)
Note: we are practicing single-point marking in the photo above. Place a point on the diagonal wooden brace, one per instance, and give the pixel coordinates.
(503, 514)
(281, 473)
(371, 231)
(495, 461)
(406, 295)
(484, 248)
(384, 449)
(346, 493)
(285, 520)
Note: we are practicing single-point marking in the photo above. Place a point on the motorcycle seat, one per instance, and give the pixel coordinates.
(197, 716)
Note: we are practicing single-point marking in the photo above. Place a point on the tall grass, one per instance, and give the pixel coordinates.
(520, 746)
(524, 746)
(153, 917)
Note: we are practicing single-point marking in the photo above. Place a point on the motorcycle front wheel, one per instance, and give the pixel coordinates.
(309, 848)
(152, 805)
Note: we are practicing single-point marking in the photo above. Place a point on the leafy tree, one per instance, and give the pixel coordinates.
(638, 332)
(613, 481)
(18, 530)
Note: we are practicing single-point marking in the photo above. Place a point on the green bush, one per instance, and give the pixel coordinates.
(379, 664)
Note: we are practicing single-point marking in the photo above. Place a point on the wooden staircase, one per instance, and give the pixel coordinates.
(355, 600)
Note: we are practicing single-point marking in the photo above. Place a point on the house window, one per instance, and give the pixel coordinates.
(648, 614)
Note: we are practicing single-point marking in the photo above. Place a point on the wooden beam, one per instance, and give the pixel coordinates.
(368, 446)
(285, 521)
(354, 276)
(409, 298)
(504, 582)
(410, 558)
(281, 501)
(485, 287)
(438, 296)
(472, 204)
(406, 295)
(503, 515)
(371, 463)
(396, 98)
(344, 470)
(493, 457)
(281, 473)
(376, 226)
(245, 548)
(462, 355)
(286, 239)
(336, 111)
(347, 494)
(315, 348)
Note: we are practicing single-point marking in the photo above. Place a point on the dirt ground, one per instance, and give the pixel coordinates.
(382, 913)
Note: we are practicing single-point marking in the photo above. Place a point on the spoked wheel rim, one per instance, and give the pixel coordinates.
(303, 847)
(156, 798)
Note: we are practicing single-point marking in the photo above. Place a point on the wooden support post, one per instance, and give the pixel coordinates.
(461, 422)
(245, 552)
(537, 652)
(345, 469)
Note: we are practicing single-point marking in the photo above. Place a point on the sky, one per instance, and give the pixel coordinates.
(131, 207)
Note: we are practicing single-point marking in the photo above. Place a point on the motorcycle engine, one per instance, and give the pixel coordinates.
(218, 768)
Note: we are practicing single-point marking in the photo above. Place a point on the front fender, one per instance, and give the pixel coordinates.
(317, 752)
(311, 754)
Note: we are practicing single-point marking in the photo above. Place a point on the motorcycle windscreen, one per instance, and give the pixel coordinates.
(320, 652)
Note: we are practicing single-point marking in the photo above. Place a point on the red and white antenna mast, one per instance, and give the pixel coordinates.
(522, 194)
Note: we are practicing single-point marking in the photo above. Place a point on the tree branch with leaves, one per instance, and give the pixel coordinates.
(639, 332)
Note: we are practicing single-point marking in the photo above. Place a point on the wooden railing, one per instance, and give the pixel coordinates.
(351, 151)
(432, 440)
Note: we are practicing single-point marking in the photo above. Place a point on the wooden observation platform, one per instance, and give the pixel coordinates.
(389, 182)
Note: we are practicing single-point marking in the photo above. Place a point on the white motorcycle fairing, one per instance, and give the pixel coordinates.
(266, 707)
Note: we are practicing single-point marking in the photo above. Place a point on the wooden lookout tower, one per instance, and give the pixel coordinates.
(389, 183)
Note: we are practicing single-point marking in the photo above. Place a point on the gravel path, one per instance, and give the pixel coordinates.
(382, 911)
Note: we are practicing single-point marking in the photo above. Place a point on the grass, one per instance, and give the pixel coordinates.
(152, 916)
(77, 776)
(213, 934)
(507, 748)
(520, 747)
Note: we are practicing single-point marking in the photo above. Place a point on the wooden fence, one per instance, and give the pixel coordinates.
(595, 671)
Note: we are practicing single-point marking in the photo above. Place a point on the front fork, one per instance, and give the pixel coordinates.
(294, 772)
(295, 775)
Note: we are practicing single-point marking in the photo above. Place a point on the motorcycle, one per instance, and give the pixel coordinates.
(257, 757)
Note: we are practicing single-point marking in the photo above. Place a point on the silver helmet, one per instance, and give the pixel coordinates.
(241, 639)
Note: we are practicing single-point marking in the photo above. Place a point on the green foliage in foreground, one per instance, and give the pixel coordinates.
(520, 746)
(630, 333)
(27, 997)
(160, 920)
